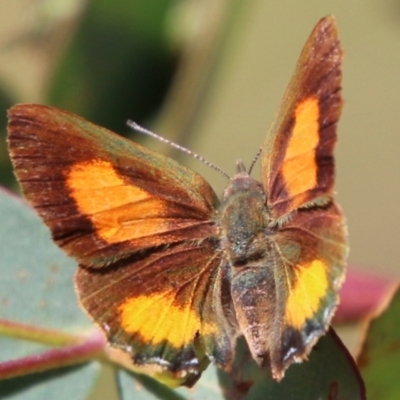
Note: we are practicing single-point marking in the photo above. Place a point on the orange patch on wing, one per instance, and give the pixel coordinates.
(157, 319)
(305, 296)
(119, 211)
(299, 167)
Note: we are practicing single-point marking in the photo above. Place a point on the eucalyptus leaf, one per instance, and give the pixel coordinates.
(36, 288)
(379, 359)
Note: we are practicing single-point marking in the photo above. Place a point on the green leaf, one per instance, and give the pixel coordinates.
(36, 278)
(63, 384)
(379, 358)
(36, 288)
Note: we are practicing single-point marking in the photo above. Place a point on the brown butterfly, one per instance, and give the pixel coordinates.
(172, 275)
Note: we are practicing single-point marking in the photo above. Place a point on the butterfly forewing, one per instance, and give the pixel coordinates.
(297, 156)
(103, 196)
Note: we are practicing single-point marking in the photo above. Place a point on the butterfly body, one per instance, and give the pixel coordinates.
(172, 275)
(243, 220)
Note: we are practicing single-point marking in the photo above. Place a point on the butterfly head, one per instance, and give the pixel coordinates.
(242, 182)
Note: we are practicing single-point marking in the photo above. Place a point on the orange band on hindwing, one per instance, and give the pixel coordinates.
(310, 286)
(156, 318)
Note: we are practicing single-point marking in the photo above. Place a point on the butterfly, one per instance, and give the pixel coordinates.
(170, 273)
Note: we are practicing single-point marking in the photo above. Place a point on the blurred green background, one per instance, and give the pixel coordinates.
(210, 75)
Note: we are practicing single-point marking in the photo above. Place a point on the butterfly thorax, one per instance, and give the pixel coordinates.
(244, 220)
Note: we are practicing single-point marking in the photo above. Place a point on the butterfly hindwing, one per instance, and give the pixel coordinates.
(287, 303)
(163, 308)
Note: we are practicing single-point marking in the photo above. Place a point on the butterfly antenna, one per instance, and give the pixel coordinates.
(257, 156)
(138, 128)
